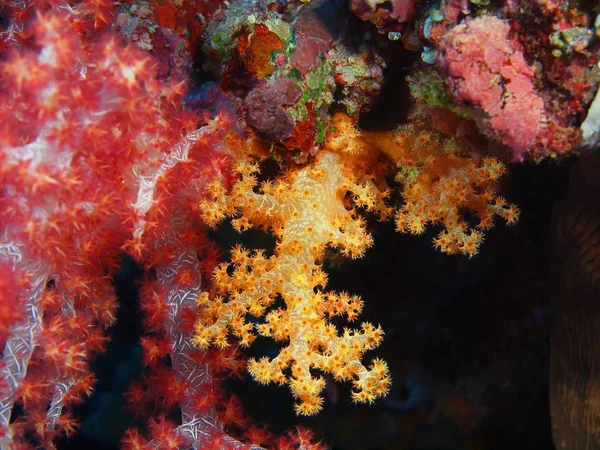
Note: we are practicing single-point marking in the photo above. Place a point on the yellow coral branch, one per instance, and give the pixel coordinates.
(307, 210)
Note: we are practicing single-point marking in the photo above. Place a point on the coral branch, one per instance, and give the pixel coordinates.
(306, 211)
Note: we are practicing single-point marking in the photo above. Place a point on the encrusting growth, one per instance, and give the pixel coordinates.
(306, 210)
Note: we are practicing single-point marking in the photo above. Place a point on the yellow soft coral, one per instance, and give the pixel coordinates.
(307, 210)
(441, 181)
(440, 178)
(313, 207)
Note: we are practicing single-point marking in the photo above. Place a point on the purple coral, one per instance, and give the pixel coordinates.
(264, 108)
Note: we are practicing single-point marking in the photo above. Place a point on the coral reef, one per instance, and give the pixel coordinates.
(134, 133)
(288, 72)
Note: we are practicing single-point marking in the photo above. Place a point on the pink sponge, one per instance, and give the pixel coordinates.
(487, 70)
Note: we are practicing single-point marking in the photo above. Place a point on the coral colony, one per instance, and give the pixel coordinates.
(113, 145)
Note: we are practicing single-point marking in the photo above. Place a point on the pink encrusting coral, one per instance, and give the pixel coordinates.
(488, 70)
